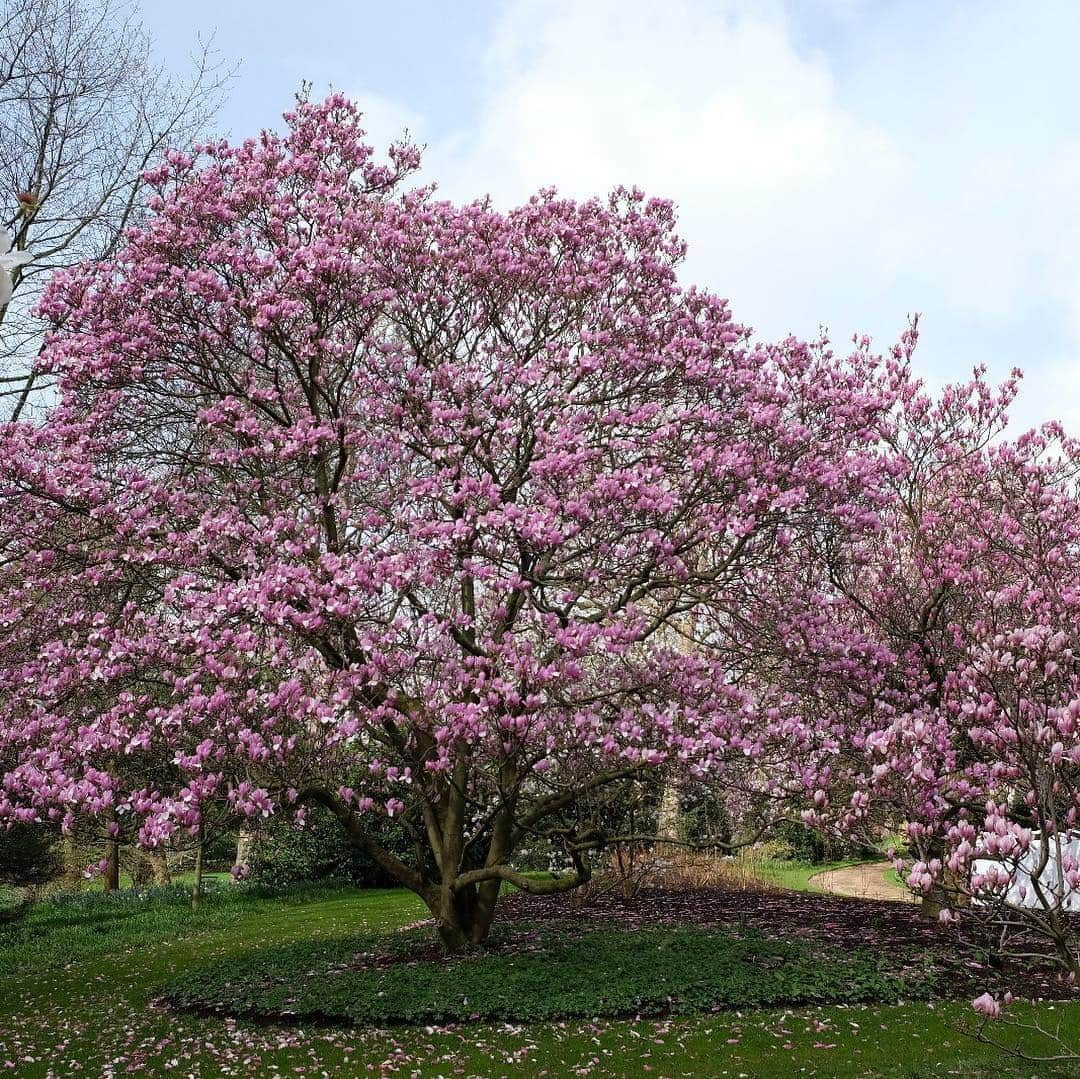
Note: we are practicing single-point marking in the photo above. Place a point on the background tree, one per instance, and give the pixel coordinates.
(947, 640)
(83, 110)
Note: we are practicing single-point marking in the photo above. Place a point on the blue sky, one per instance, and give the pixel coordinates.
(835, 162)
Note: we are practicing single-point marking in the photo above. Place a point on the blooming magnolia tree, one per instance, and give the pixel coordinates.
(996, 763)
(957, 623)
(362, 499)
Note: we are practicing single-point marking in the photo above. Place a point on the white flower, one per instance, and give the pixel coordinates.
(8, 261)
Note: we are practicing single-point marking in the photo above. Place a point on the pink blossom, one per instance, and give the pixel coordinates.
(987, 1005)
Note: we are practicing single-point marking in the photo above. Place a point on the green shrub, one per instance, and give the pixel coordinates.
(801, 844)
(704, 817)
(813, 846)
(28, 854)
(284, 854)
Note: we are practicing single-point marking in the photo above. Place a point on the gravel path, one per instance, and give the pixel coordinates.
(862, 882)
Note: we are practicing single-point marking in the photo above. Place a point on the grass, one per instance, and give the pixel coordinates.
(799, 876)
(87, 926)
(796, 876)
(187, 878)
(81, 977)
(894, 878)
(747, 871)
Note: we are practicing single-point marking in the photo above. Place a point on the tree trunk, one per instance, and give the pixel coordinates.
(464, 917)
(949, 894)
(935, 900)
(140, 870)
(159, 868)
(150, 867)
(112, 857)
(670, 814)
(933, 903)
(487, 899)
(245, 840)
(680, 636)
(73, 870)
(197, 884)
(946, 894)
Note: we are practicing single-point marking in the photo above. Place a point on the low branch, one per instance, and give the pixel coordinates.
(552, 886)
(360, 839)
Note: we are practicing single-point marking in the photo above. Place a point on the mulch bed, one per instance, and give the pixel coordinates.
(894, 928)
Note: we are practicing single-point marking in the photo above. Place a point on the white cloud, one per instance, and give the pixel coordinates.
(386, 120)
(921, 168)
(779, 189)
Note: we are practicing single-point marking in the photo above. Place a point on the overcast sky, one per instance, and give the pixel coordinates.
(836, 163)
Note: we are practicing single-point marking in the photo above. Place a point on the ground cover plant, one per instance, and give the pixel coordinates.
(544, 972)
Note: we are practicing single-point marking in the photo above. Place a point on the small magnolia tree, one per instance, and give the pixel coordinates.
(362, 499)
(997, 761)
(958, 625)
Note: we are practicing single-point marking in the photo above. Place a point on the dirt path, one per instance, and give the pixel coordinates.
(863, 882)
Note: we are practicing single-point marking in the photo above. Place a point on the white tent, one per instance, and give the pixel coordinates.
(1056, 892)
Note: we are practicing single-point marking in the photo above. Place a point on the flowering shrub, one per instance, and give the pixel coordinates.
(950, 636)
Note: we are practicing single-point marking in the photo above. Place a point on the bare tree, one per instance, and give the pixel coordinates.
(84, 109)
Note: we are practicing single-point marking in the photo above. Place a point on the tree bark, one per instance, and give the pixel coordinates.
(670, 813)
(933, 903)
(112, 857)
(679, 634)
(197, 884)
(73, 871)
(159, 868)
(245, 840)
(464, 916)
(151, 867)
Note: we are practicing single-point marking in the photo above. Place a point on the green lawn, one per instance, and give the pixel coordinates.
(77, 979)
(795, 876)
(894, 878)
(187, 878)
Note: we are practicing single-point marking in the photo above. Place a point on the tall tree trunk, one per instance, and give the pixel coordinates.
(140, 869)
(112, 856)
(670, 814)
(245, 840)
(679, 636)
(159, 868)
(197, 884)
(151, 867)
(73, 870)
